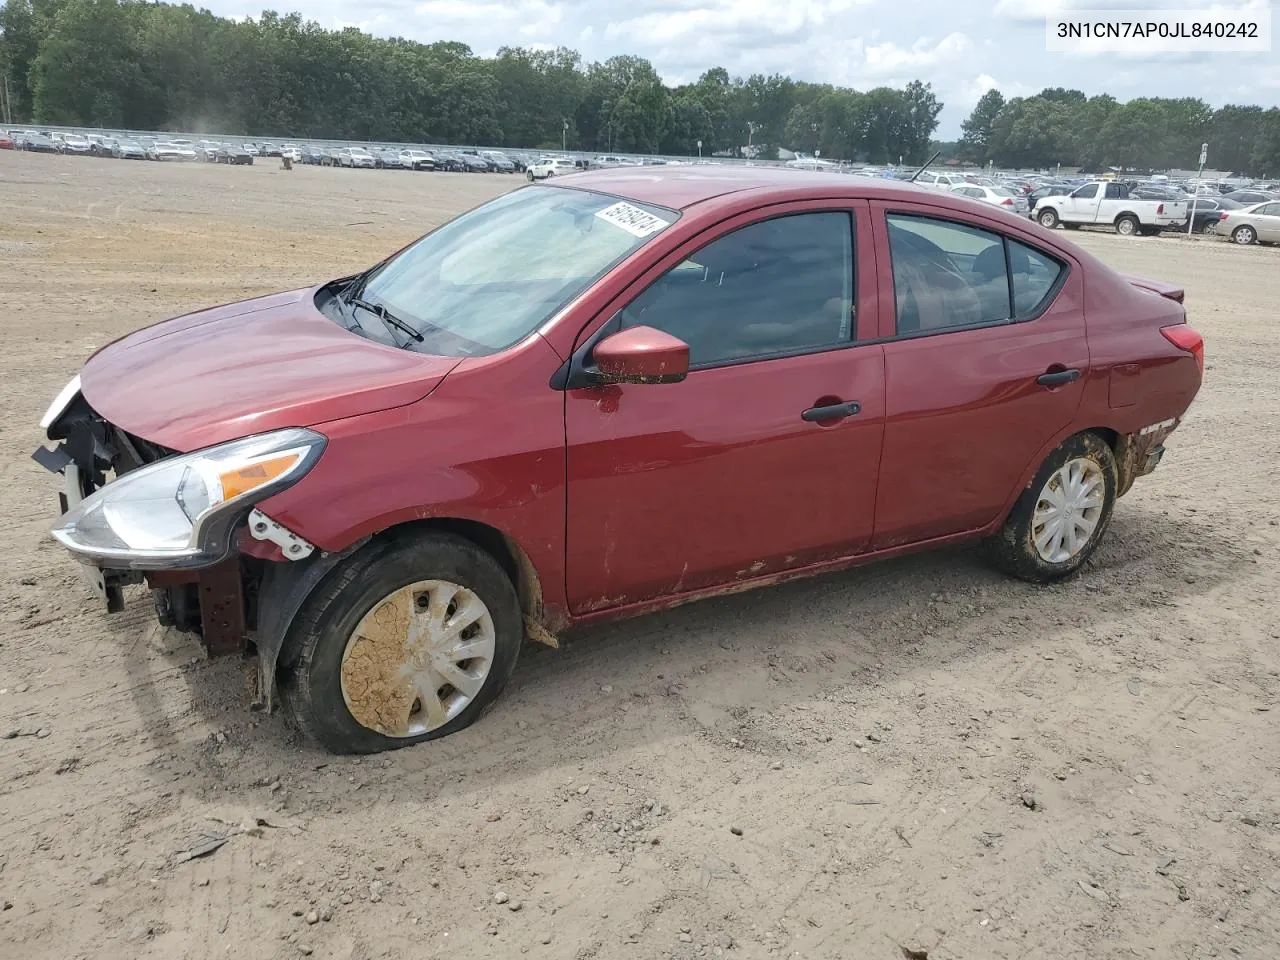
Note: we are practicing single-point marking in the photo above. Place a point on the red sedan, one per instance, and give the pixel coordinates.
(600, 396)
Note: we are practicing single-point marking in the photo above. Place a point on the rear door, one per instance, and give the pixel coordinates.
(734, 472)
(983, 366)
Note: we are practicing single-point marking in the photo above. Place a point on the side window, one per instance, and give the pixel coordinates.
(1033, 277)
(1115, 191)
(778, 286)
(1087, 193)
(946, 274)
(1270, 210)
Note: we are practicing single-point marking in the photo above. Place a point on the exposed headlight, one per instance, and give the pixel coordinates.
(179, 512)
(60, 402)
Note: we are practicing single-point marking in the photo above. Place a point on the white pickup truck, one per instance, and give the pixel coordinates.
(1107, 202)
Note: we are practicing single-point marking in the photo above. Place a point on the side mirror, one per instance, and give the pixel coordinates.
(641, 355)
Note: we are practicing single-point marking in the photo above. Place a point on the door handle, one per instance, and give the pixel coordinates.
(1056, 378)
(832, 411)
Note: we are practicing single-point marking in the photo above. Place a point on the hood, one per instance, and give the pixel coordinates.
(247, 367)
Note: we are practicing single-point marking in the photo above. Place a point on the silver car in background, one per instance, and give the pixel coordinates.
(1259, 223)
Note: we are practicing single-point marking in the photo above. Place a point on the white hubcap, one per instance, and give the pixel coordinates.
(417, 658)
(1068, 510)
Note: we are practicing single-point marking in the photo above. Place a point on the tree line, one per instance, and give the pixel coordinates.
(1059, 126)
(153, 66)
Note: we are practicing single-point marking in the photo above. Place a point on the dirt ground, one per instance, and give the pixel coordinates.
(920, 754)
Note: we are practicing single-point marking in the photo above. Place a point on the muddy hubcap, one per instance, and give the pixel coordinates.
(417, 658)
(1068, 510)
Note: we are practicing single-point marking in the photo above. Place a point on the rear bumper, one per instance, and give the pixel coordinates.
(1139, 453)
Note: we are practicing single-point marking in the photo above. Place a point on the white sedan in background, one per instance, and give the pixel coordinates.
(551, 167)
(1011, 200)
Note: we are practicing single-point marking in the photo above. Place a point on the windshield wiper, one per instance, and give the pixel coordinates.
(386, 316)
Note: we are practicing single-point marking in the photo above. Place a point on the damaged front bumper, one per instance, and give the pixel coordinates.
(186, 524)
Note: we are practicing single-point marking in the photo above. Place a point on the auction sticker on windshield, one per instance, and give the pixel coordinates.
(637, 222)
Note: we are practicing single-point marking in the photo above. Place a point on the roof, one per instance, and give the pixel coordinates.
(678, 186)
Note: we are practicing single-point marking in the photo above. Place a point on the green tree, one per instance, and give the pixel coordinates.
(976, 142)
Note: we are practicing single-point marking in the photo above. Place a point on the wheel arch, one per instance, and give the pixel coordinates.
(1117, 441)
(286, 585)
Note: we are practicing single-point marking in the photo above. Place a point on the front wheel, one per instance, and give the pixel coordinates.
(1244, 235)
(409, 640)
(1048, 219)
(1061, 517)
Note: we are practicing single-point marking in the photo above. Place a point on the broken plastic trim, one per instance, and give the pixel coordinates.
(262, 527)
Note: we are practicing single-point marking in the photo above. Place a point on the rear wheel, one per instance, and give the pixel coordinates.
(1127, 226)
(1061, 517)
(409, 640)
(1244, 235)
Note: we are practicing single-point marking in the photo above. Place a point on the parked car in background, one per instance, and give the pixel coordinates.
(474, 163)
(268, 150)
(384, 158)
(1259, 223)
(208, 150)
(168, 150)
(73, 143)
(941, 181)
(126, 149)
(38, 143)
(330, 157)
(235, 155)
(1108, 202)
(356, 157)
(1206, 212)
(1005, 197)
(498, 162)
(551, 167)
(251, 149)
(417, 160)
(498, 426)
(450, 162)
(312, 154)
(7, 142)
(1250, 197)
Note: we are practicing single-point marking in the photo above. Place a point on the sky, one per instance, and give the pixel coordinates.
(962, 47)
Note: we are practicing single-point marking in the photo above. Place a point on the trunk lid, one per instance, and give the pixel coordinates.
(248, 367)
(1164, 289)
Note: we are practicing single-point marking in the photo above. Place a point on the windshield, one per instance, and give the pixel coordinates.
(490, 277)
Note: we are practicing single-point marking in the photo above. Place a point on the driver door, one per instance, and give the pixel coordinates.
(1080, 206)
(729, 474)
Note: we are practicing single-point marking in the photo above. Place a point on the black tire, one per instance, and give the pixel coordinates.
(1127, 225)
(1013, 550)
(310, 681)
(1244, 235)
(1047, 218)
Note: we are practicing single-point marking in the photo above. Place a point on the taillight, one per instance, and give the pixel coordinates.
(1160, 208)
(1223, 217)
(1186, 338)
(1006, 202)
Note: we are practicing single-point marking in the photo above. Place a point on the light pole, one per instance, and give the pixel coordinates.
(564, 136)
(699, 149)
(751, 132)
(813, 128)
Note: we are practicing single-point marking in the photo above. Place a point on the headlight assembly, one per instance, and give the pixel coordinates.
(179, 512)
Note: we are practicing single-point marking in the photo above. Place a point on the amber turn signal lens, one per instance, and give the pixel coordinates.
(246, 478)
